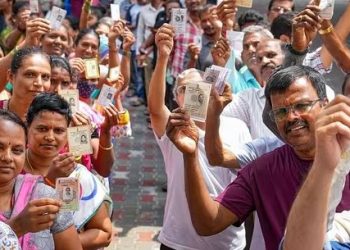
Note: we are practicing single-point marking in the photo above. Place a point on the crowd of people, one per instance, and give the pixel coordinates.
(267, 169)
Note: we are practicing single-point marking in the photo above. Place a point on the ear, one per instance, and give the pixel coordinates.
(285, 39)
(10, 76)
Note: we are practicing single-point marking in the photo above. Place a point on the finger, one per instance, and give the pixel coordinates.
(45, 219)
(42, 202)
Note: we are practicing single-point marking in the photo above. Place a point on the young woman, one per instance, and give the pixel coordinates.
(27, 205)
(29, 74)
(48, 118)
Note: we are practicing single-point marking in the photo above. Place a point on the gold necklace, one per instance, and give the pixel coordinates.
(27, 159)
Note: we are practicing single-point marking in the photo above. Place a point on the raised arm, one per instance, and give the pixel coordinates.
(85, 11)
(216, 153)
(159, 113)
(208, 216)
(306, 226)
(35, 29)
(128, 41)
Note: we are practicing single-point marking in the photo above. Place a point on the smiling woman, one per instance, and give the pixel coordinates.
(56, 41)
(30, 74)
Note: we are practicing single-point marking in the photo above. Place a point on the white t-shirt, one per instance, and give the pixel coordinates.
(178, 231)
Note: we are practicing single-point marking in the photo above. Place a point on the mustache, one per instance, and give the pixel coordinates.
(295, 123)
(268, 65)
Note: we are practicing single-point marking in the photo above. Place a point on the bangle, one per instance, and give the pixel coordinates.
(126, 53)
(326, 31)
(107, 148)
(49, 182)
(123, 118)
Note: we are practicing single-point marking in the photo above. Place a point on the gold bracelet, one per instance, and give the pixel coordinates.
(326, 31)
(106, 149)
(123, 117)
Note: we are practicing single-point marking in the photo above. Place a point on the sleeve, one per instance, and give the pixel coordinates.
(238, 196)
(238, 108)
(64, 219)
(314, 61)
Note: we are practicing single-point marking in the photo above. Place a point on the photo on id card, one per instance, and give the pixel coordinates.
(72, 97)
(106, 96)
(79, 140)
(92, 70)
(197, 99)
(68, 192)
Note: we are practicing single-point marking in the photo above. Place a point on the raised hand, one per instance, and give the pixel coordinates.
(37, 216)
(111, 117)
(305, 27)
(77, 65)
(226, 12)
(116, 30)
(194, 51)
(36, 28)
(62, 166)
(221, 52)
(182, 131)
(217, 102)
(128, 39)
(164, 39)
(332, 131)
(80, 119)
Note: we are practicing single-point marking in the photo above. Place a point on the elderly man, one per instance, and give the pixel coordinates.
(269, 184)
(177, 231)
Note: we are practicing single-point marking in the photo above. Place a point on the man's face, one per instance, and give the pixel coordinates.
(207, 24)
(297, 128)
(270, 56)
(250, 44)
(193, 5)
(279, 7)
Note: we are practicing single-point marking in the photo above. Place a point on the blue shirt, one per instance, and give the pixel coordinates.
(242, 79)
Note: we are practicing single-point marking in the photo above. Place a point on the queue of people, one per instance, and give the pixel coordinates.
(266, 169)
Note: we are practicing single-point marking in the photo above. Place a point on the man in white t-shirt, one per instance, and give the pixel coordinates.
(178, 231)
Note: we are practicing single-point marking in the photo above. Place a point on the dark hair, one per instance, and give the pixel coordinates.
(12, 117)
(22, 54)
(18, 6)
(48, 102)
(250, 16)
(346, 79)
(282, 25)
(204, 9)
(85, 32)
(73, 21)
(272, 1)
(61, 62)
(173, 1)
(280, 81)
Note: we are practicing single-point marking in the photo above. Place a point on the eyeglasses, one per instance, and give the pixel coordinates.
(300, 108)
(279, 9)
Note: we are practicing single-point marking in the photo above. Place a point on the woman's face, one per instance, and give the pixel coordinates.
(56, 42)
(12, 150)
(32, 78)
(60, 80)
(47, 134)
(87, 47)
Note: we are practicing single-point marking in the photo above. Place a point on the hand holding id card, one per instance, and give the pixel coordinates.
(68, 191)
(92, 70)
(72, 97)
(197, 99)
(79, 140)
(34, 6)
(106, 96)
(217, 76)
(56, 17)
(179, 20)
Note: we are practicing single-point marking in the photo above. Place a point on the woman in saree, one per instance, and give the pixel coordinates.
(48, 118)
(28, 205)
